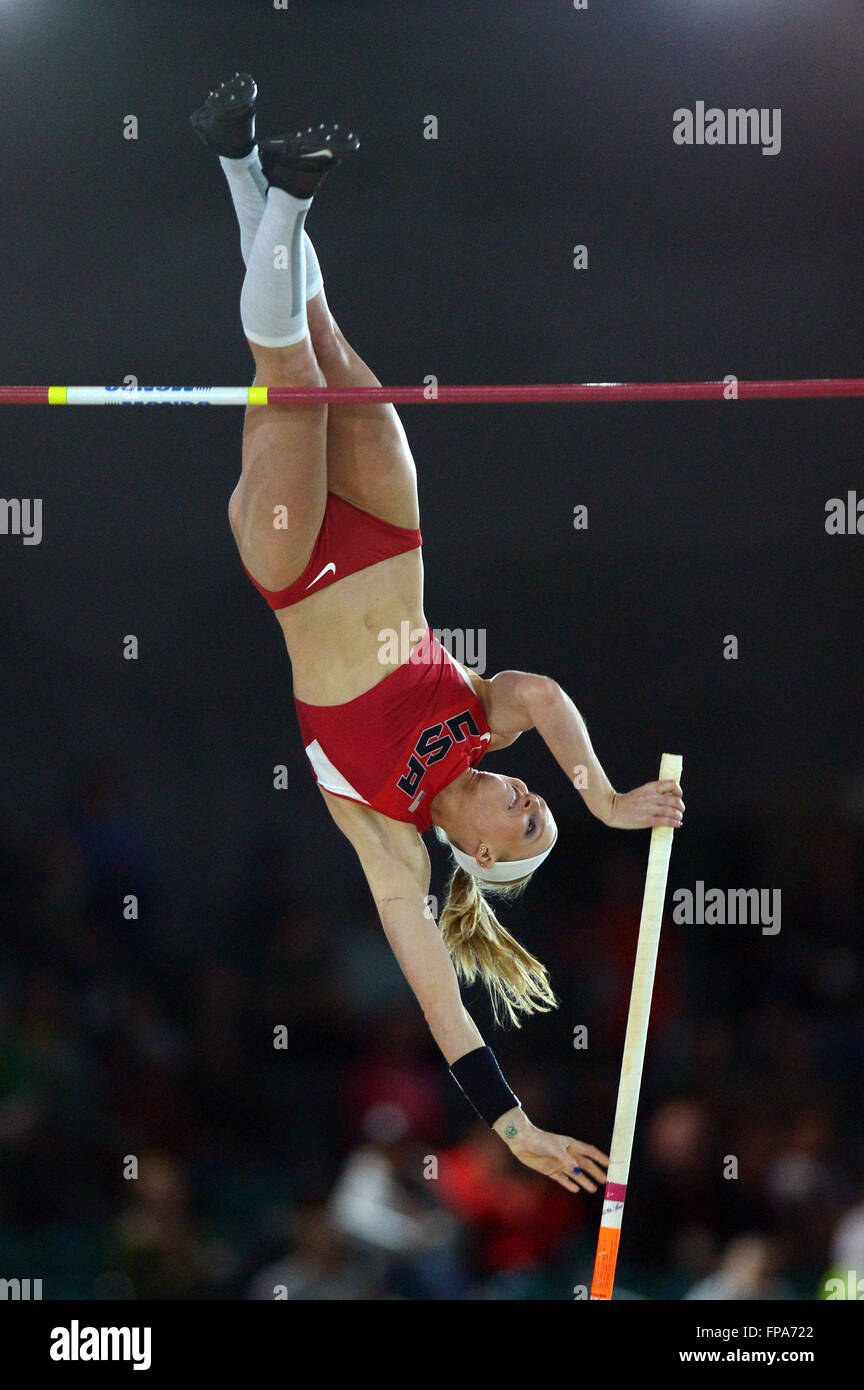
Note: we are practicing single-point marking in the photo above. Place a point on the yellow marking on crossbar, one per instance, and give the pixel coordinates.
(258, 395)
(57, 395)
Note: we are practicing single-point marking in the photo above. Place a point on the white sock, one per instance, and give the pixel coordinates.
(314, 278)
(273, 299)
(249, 193)
(248, 188)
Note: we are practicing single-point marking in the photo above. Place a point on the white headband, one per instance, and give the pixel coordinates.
(506, 870)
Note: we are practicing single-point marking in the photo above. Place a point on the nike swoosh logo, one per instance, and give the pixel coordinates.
(331, 566)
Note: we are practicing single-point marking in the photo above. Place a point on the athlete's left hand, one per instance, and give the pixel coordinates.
(567, 1161)
(657, 803)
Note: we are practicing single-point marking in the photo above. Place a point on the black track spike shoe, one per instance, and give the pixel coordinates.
(298, 163)
(226, 121)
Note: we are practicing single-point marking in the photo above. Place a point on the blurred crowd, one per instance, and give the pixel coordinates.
(254, 1109)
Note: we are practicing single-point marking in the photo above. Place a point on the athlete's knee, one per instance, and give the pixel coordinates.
(327, 342)
(240, 515)
(251, 516)
(296, 365)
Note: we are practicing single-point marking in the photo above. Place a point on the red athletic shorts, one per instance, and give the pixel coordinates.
(349, 540)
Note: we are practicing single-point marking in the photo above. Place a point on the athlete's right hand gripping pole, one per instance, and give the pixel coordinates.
(634, 1046)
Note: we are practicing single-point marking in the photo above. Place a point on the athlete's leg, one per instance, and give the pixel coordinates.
(368, 459)
(278, 505)
(226, 124)
(369, 462)
(248, 187)
(274, 439)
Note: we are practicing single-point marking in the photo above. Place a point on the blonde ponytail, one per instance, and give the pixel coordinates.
(478, 944)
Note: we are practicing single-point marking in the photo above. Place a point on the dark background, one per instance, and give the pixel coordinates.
(451, 257)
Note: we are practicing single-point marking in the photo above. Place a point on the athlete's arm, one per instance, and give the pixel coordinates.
(400, 891)
(481, 690)
(396, 865)
(395, 862)
(516, 701)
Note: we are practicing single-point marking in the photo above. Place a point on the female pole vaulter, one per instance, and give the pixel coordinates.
(325, 516)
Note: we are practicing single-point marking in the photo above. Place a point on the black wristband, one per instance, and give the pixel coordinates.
(479, 1077)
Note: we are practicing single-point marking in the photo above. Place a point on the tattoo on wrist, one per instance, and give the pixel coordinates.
(510, 1131)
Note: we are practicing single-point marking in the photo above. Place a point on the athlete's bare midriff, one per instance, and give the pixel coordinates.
(336, 642)
(345, 639)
